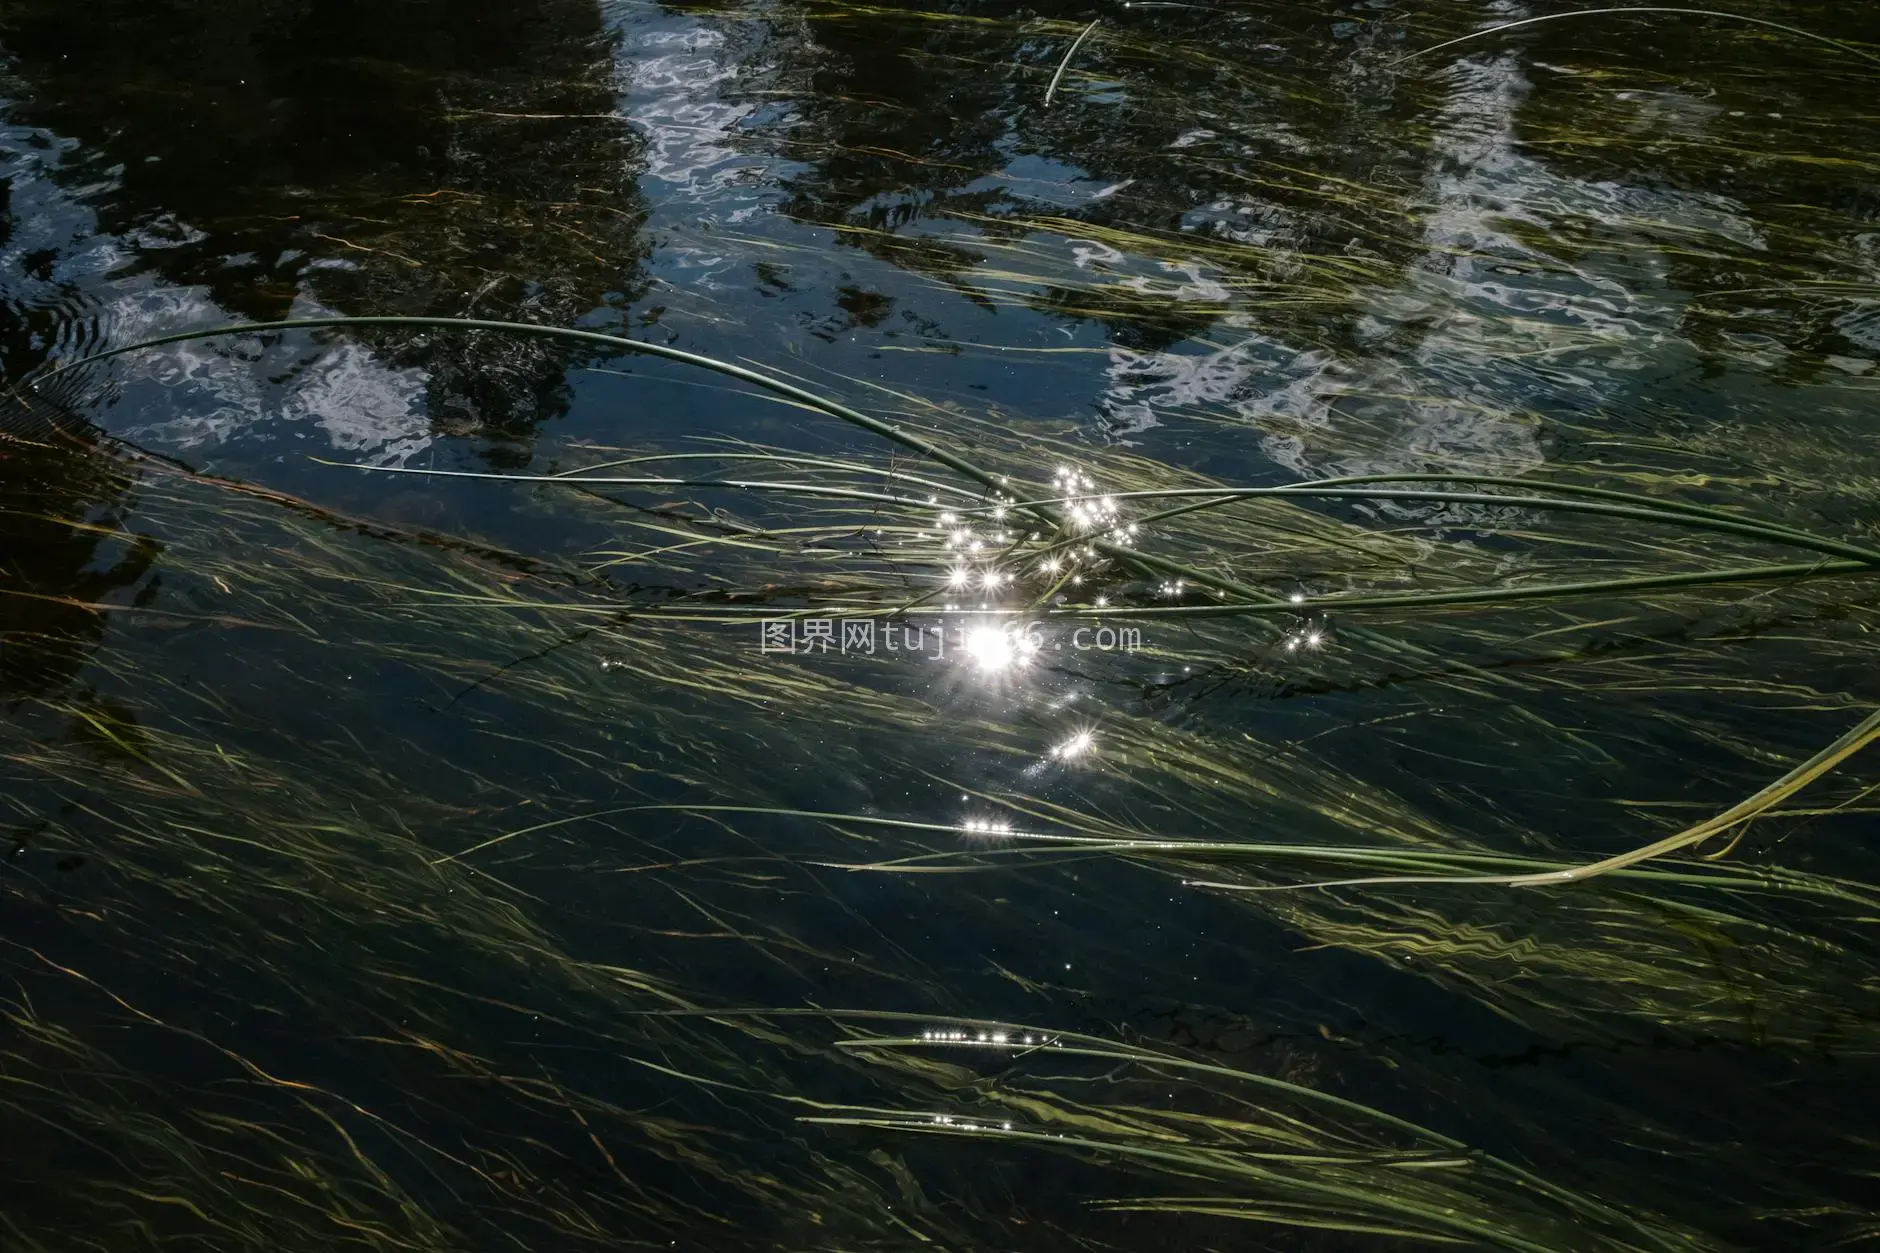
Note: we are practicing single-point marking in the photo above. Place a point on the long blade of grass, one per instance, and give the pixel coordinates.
(1863, 734)
(1643, 8)
(1051, 91)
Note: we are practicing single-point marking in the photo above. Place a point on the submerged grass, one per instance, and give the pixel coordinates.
(254, 844)
(585, 941)
(860, 535)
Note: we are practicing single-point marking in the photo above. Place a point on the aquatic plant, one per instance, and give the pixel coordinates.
(436, 892)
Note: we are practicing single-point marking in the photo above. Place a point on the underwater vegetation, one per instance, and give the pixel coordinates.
(1393, 777)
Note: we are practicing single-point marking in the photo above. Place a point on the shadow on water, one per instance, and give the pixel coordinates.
(442, 865)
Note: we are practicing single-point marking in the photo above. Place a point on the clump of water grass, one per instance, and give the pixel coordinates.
(525, 894)
(866, 539)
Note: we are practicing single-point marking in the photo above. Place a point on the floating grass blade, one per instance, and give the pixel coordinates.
(1649, 8)
(1051, 91)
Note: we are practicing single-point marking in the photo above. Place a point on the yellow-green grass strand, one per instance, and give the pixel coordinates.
(576, 480)
(617, 343)
(1050, 92)
(1708, 521)
(1227, 495)
(1852, 742)
(824, 463)
(1722, 877)
(1447, 1218)
(1643, 8)
(1493, 597)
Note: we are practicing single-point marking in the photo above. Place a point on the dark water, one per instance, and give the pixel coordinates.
(254, 993)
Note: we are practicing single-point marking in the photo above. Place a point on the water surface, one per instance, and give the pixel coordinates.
(385, 867)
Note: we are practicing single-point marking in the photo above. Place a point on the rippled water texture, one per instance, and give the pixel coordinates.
(400, 861)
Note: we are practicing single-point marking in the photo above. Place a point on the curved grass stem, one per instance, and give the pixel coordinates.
(1643, 8)
(1050, 92)
(1859, 737)
(617, 343)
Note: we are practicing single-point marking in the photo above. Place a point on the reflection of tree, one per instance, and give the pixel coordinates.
(55, 557)
(898, 119)
(1753, 132)
(419, 157)
(1378, 266)
(54, 492)
(1267, 137)
(403, 158)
